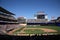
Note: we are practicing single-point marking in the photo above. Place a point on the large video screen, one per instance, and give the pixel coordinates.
(40, 16)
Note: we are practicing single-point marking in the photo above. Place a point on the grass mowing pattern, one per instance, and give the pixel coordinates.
(49, 27)
(17, 31)
(37, 31)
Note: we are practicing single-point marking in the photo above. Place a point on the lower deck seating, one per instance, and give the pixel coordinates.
(8, 27)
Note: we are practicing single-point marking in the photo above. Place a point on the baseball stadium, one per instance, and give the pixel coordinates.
(21, 26)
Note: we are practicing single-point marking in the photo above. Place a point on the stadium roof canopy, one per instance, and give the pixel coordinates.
(5, 11)
(40, 13)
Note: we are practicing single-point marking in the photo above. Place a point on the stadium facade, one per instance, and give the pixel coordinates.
(7, 20)
(40, 18)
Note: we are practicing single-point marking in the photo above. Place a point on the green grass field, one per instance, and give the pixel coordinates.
(37, 31)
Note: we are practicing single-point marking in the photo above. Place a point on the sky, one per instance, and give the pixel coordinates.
(27, 8)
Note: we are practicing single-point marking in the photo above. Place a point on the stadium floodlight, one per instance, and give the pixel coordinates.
(35, 17)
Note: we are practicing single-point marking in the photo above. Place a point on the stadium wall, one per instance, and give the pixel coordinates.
(45, 24)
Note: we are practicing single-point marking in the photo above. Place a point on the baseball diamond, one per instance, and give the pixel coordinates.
(26, 30)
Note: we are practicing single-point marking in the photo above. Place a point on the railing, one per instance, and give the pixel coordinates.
(8, 17)
(36, 20)
(3, 21)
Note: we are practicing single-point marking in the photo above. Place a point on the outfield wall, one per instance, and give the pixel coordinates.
(45, 24)
(58, 24)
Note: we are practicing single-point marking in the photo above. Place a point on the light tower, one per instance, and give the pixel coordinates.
(52, 17)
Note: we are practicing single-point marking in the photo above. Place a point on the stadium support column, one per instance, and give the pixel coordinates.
(46, 17)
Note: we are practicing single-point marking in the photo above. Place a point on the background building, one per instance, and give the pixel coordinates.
(21, 20)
